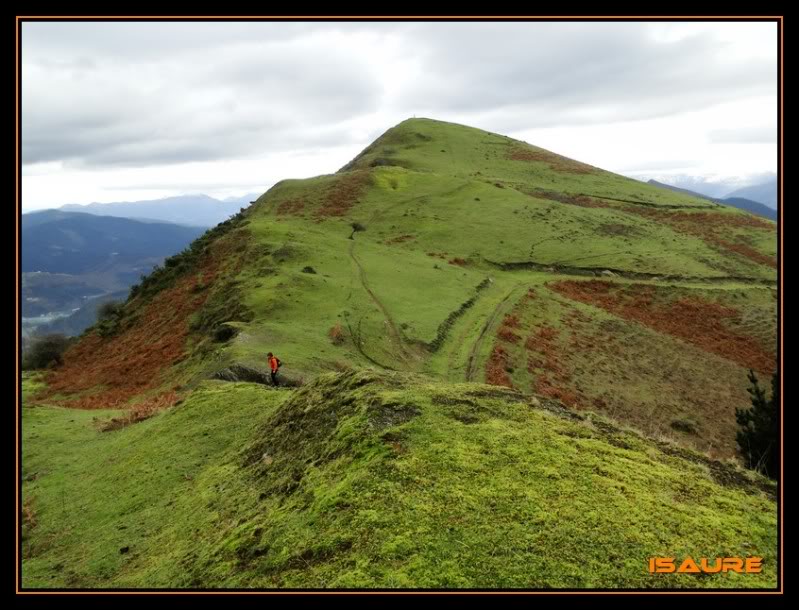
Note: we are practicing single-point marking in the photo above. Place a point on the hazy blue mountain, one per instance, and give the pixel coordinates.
(764, 192)
(737, 202)
(751, 206)
(58, 242)
(194, 210)
(70, 259)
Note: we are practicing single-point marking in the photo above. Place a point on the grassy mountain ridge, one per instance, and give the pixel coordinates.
(457, 229)
(440, 258)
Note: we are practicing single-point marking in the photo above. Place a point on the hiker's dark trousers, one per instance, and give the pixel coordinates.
(274, 377)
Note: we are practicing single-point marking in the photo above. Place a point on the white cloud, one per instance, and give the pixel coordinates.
(115, 111)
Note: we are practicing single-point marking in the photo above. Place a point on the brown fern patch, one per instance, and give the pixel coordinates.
(705, 324)
(556, 162)
(343, 194)
(496, 366)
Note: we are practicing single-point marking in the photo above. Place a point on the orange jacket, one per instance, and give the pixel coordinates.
(273, 364)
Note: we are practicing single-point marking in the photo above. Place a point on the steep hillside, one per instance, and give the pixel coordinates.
(384, 480)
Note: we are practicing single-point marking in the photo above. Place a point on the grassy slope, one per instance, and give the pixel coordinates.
(394, 283)
(376, 480)
(391, 289)
(434, 209)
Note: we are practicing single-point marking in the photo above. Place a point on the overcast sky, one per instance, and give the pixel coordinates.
(127, 111)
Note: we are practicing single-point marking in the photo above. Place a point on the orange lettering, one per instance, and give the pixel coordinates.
(733, 564)
(706, 567)
(667, 565)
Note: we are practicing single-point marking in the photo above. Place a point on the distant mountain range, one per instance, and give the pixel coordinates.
(62, 242)
(192, 210)
(755, 207)
(70, 260)
(762, 193)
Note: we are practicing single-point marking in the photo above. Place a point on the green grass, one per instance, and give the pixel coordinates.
(32, 382)
(375, 480)
(94, 493)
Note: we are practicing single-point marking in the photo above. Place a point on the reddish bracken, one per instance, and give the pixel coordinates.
(400, 239)
(336, 334)
(694, 320)
(343, 194)
(506, 334)
(495, 367)
(551, 374)
(291, 207)
(556, 162)
(141, 411)
(108, 372)
(714, 229)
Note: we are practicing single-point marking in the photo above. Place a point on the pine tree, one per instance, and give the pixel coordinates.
(758, 436)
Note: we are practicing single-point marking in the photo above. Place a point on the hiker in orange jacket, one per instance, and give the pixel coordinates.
(274, 364)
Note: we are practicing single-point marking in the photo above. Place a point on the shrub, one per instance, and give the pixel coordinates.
(46, 351)
(758, 436)
(109, 317)
(224, 333)
(109, 310)
(686, 424)
(357, 227)
(336, 334)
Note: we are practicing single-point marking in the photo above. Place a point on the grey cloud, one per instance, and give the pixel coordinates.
(97, 94)
(577, 73)
(232, 100)
(744, 135)
(659, 166)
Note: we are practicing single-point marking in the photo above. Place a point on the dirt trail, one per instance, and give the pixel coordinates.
(630, 275)
(397, 337)
(471, 362)
(394, 332)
